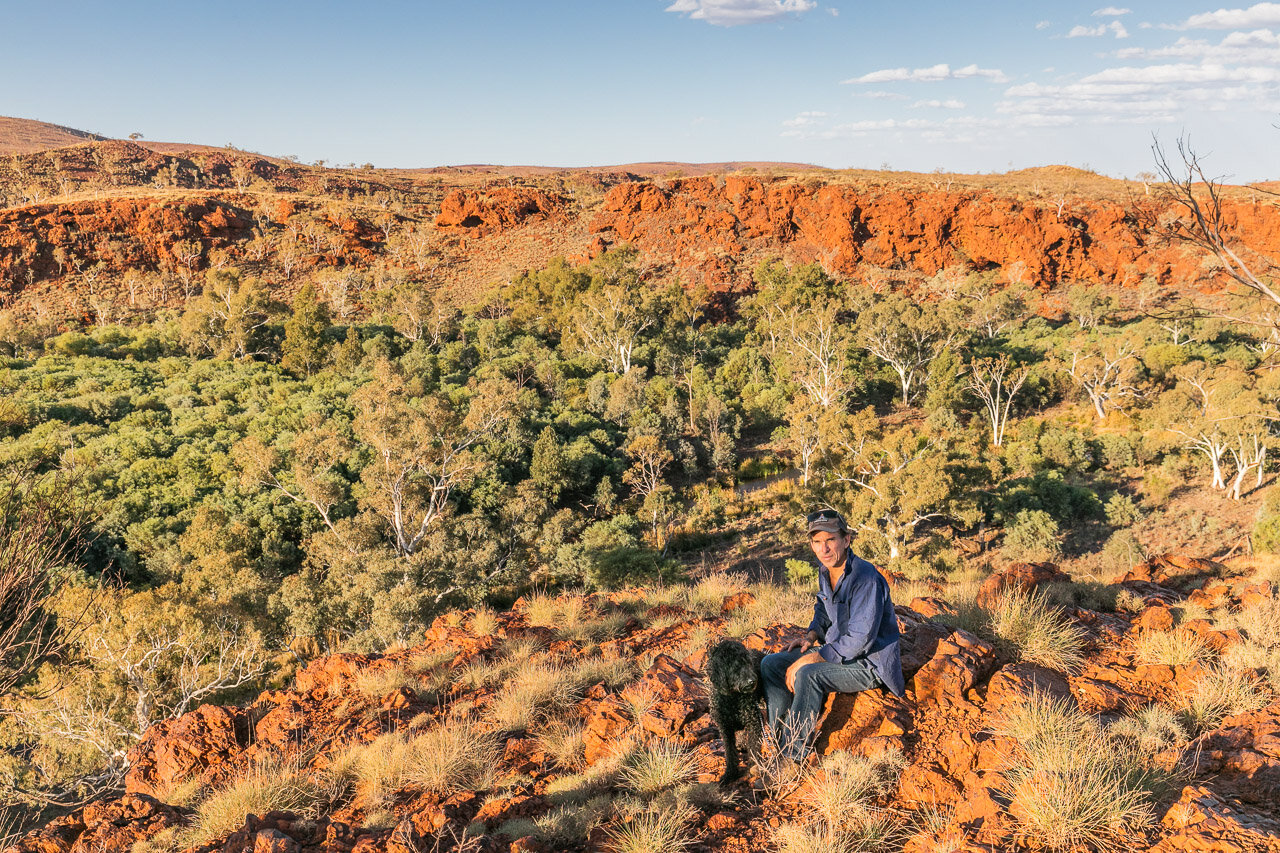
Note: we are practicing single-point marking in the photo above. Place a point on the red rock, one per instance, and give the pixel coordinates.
(673, 695)
(1020, 576)
(1242, 756)
(1203, 821)
(772, 638)
(1256, 594)
(1211, 596)
(497, 209)
(1156, 618)
(1013, 684)
(928, 607)
(176, 750)
(273, 841)
(959, 663)
(736, 602)
(855, 722)
(606, 723)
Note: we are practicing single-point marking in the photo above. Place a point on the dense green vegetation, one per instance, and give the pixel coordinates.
(264, 478)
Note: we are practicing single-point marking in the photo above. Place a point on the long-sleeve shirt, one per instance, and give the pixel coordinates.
(856, 621)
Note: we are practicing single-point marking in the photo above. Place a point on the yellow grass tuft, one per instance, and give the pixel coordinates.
(283, 786)
(1069, 783)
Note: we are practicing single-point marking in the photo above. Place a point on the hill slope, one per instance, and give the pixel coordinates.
(25, 136)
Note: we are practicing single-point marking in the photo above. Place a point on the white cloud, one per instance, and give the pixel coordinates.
(881, 95)
(1101, 30)
(1043, 25)
(1258, 47)
(931, 74)
(1110, 12)
(833, 11)
(1179, 73)
(948, 104)
(731, 13)
(1257, 15)
(805, 119)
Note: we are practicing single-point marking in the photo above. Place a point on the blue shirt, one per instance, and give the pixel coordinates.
(856, 621)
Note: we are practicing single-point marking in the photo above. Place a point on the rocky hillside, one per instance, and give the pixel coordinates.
(114, 207)
(581, 723)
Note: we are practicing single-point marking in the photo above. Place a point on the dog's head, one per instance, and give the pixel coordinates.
(732, 668)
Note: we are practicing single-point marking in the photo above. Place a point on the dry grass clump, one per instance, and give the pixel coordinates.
(657, 767)
(564, 743)
(1069, 782)
(839, 812)
(1150, 730)
(657, 831)
(484, 621)
(542, 690)
(1023, 625)
(1169, 648)
(283, 786)
(560, 612)
(774, 604)
(1026, 625)
(866, 832)
(377, 683)
(706, 597)
(1224, 692)
(444, 759)
(1259, 625)
(562, 825)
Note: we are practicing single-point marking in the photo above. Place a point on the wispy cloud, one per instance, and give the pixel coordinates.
(931, 74)
(1043, 25)
(1101, 30)
(1257, 47)
(732, 13)
(805, 119)
(880, 94)
(1111, 12)
(948, 104)
(1257, 15)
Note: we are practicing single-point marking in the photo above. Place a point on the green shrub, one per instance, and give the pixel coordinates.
(801, 573)
(1266, 528)
(1032, 536)
(1121, 511)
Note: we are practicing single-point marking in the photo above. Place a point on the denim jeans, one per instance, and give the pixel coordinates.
(792, 718)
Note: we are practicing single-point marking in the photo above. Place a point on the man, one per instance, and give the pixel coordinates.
(851, 644)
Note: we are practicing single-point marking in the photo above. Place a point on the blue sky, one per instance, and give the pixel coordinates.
(911, 85)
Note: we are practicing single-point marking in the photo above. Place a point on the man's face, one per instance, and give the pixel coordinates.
(829, 548)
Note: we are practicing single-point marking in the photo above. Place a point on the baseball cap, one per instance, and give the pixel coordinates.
(828, 521)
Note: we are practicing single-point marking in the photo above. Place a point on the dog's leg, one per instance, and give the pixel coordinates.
(754, 730)
(732, 768)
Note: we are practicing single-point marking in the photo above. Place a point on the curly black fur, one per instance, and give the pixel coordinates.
(736, 693)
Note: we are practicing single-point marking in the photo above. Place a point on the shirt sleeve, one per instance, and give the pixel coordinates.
(858, 622)
(820, 621)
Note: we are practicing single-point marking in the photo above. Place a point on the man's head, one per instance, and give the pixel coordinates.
(828, 537)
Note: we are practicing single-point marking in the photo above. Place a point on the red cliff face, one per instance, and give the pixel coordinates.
(703, 222)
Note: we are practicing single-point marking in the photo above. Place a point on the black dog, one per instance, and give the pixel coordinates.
(736, 693)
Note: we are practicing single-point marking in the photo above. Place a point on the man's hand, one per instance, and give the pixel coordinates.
(803, 660)
(808, 640)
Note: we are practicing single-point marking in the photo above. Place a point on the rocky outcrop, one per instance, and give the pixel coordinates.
(714, 223)
(497, 209)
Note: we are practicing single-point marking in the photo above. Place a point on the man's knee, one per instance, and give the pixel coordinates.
(774, 667)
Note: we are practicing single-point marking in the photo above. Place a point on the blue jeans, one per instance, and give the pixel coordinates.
(792, 719)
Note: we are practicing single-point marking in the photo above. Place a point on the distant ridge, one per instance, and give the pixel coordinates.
(27, 136)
